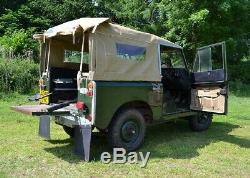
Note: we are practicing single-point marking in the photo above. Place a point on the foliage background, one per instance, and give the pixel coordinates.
(222, 151)
(18, 76)
(190, 23)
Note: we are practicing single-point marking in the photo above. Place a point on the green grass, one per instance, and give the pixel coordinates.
(221, 151)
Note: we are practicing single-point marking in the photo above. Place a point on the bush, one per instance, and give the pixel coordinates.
(19, 43)
(239, 88)
(18, 76)
(239, 72)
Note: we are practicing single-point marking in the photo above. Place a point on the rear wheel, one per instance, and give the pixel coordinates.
(201, 121)
(70, 131)
(127, 130)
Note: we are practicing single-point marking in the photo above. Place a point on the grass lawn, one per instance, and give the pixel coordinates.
(221, 151)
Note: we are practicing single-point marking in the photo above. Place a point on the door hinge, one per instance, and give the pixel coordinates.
(222, 92)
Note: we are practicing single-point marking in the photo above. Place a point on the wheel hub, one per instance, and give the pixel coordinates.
(129, 131)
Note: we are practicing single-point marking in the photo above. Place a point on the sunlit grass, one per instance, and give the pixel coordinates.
(221, 151)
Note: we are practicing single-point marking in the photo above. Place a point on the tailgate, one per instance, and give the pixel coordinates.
(38, 110)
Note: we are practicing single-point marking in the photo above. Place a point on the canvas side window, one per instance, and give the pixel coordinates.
(130, 52)
(75, 57)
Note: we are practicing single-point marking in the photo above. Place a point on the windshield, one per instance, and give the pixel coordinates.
(75, 57)
(209, 58)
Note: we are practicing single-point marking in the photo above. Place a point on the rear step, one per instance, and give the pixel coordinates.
(38, 110)
(83, 130)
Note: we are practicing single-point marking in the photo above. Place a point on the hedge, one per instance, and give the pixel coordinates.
(240, 72)
(18, 76)
(22, 75)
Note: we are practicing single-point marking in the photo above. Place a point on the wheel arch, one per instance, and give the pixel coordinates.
(143, 106)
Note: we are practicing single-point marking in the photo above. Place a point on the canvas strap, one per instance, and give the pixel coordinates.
(47, 69)
(82, 52)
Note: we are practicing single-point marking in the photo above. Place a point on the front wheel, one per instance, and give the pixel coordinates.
(200, 122)
(127, 130)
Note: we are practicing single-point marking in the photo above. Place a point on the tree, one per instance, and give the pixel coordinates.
(194, 23)
(190, 23)
(34, 16)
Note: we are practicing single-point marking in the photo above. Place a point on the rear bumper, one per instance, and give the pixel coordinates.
(83, 127)
(69, 120)
(65, 116)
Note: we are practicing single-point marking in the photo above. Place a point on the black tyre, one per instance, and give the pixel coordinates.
(70, 131)
(127, 130)
(200, 122)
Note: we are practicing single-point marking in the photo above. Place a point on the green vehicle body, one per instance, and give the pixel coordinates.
(113, 95)
(98, 74)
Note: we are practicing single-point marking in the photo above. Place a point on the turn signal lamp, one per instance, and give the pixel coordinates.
(41, 82)
(90, 89)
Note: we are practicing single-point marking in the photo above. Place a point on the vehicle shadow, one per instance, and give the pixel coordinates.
(176, 140)
(170, 140)
(64, 149)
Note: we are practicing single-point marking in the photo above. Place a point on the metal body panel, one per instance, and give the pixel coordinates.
(110, 96)
(82, 141)
(44, 126)
(83, 97)
(176, 115)
(67, 120)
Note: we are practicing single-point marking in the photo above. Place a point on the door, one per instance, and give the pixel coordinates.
(175, 80)
(209, 92)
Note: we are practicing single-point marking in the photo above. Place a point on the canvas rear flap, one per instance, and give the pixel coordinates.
(208, 99)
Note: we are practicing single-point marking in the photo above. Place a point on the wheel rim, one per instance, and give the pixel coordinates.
(130, 131)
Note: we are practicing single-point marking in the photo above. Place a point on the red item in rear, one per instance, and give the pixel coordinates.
(80, 105)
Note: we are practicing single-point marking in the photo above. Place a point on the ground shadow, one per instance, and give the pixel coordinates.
(68, 140)
(172, 140)
(64, 149)
(176, 140)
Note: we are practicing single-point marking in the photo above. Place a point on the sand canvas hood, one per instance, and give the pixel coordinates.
(117, 53)
(71, 27)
